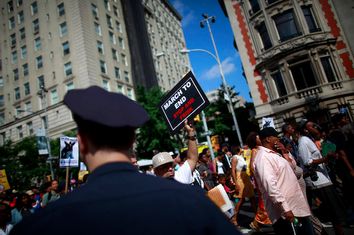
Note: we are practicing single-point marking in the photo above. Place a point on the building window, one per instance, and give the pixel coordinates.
(100, 47)
(19, 2)
(117, 72)
(10, 6)
(98, 29)
(13, 40)
(112, 37)
(121, 43)
(12, 23)
(130, 93)
(15, 72)
(35, 25)
(37, 44)
(254, 6)
(54, 96)
(63, 29)
(310, 20)
(44, 122)
(263, 33)
(20, 17)
(14, 57)
(68, 69)
(30, 128)
(23, 52)
(66, 48)
(279, 83)
(41, 83)
(27, 88)
(39, 62)
(124, 59)
(105, 85)
(34, 8)
(25, 69)
(328, 68)
(115, 11)
(22, 33)
(1, 81)
(61, 9)
(118, 27)
(114, 54)
(106, 5)
(303, 74)
(126, 76)
(2, 101)
(69, 86)
(286, 25)
(120, 88)
(94, 10)
(28, 107)
(109, 22)
(19, 132)
(17, 93)
(103, 66)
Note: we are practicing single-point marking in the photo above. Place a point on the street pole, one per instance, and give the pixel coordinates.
(212, 18)
(49, 160)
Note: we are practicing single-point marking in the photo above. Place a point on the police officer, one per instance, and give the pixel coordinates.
(117, 199)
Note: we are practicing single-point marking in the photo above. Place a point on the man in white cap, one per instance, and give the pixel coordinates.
(163, 162)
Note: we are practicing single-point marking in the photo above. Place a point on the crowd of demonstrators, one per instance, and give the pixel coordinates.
(289, 176)
(115, 194)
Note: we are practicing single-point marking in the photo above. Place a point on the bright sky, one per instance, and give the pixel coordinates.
(205, 67)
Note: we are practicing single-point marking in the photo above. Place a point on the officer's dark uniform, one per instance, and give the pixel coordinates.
(117, 199)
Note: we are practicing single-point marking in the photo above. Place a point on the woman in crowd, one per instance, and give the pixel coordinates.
(23, 208)
(243, 185)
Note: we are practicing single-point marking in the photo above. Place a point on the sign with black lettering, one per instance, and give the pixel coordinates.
(185, 101)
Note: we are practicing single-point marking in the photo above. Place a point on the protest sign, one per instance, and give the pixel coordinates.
(42, 143)
(3, 180)
(184, 101)
(69, 152)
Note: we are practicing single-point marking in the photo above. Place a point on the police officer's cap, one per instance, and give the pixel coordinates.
(106, 108)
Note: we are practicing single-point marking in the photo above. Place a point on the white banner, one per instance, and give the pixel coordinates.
(69, 152)
(42, 143)
(267, 122)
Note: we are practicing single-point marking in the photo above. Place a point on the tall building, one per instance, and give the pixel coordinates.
(166, 41)
(297, 56)
(50, 47)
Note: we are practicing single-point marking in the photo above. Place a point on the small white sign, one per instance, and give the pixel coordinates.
(69, 152)
(267, 122)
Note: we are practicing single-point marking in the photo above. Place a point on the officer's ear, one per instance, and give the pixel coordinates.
(83, 144)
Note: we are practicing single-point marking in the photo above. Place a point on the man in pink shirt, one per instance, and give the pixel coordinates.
(279, 187)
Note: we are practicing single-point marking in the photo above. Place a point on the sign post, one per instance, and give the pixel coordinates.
(69, 155)
(185, 101)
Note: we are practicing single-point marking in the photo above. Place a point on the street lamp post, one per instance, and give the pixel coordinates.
(42, 94)
(217, 58)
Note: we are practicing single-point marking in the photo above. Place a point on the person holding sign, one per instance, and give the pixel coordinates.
(116, 193)
(163, 162)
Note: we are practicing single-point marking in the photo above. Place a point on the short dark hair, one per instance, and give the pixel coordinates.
(251, 140)
(105, 137)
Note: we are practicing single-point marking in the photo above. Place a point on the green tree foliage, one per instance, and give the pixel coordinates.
(22, 163)
(220, 119)
(154, 135)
